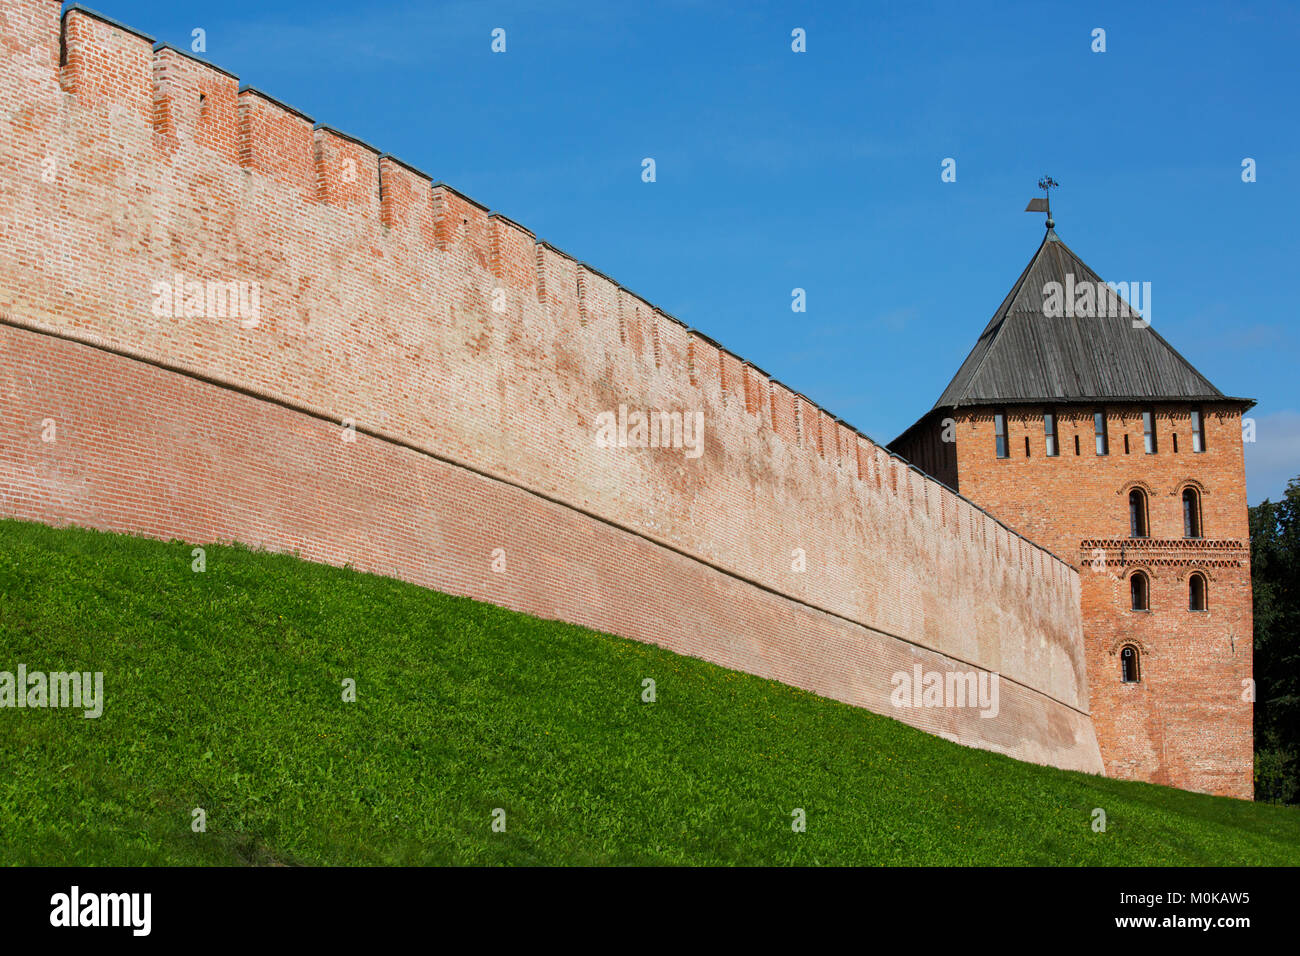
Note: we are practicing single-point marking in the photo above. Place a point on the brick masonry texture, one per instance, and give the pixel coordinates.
(148, 451)
(483, 358)
(1186, 723)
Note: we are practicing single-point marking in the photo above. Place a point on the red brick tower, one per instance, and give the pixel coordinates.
(1073, 421)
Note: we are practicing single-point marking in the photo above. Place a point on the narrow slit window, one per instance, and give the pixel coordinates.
(1129, 670)
(1198, 430)
(1191, 513)
(1139, 590)
(1000, 431)
(1099, 427)
(1196, 592)
(1049, 433)
(1137, 514)
(1149, 431)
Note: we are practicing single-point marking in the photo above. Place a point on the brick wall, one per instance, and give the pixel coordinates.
(147, 450)
(402, 306)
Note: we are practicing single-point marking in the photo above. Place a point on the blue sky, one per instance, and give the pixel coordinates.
(821, 170)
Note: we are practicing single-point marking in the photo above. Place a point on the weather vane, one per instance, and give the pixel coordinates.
(1046, 184)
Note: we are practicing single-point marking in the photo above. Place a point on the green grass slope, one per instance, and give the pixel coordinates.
(224, 691)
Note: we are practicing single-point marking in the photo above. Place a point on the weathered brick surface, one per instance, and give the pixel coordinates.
(148, 451)
(413, 312)
(1185, 723)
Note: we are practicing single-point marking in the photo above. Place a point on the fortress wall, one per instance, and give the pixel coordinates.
(147, 450)
(399, 304)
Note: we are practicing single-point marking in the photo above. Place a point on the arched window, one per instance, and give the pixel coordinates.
(1191, 513)
(1137, 513)
(1129, 669)
(1196, 592)
(1139, 590)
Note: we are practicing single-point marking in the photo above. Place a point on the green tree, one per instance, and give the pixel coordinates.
(1275, 573)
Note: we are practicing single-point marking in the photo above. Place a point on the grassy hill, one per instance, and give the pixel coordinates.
(224, 691)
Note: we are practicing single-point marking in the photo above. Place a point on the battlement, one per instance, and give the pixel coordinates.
(111, 66)
(393, 301)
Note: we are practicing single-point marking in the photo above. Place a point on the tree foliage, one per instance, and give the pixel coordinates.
(1275, 573)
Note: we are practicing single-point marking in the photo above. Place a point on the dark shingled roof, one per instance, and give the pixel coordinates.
(1025, 356)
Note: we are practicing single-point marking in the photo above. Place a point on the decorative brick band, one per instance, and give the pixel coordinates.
(1167, 544)
(1168, 552)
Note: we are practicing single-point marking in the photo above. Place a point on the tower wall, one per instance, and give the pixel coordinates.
(1188, 722)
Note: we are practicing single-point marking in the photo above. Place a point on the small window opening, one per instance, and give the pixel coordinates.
(1129, 665)
(1139, 592)
(1191, 513)
(1149, 431)
(1137, 514)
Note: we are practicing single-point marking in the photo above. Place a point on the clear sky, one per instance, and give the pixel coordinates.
(821, 170)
